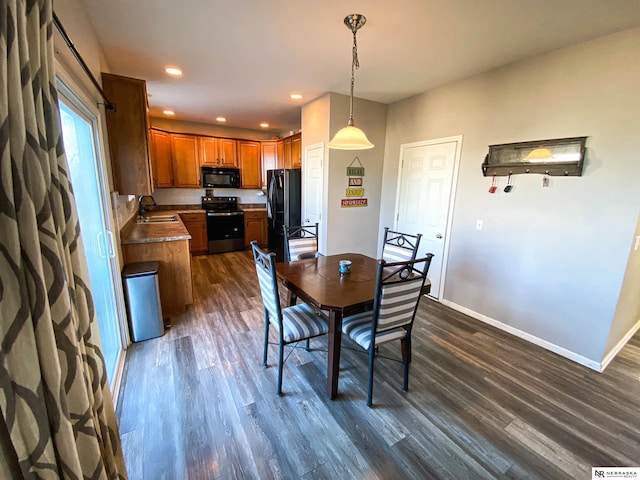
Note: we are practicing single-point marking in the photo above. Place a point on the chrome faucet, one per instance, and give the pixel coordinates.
(145, 201)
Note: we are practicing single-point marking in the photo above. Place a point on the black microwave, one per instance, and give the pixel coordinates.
(213, 177)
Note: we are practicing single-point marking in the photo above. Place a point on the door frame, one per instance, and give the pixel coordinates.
(68, 86)
(451, 202)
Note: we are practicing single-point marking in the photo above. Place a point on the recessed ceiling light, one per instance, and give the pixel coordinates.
(168, 112)
(173, 71)
(296, 96)
(264, 125)
(221, 119)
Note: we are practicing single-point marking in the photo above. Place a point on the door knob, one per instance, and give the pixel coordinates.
(439, 235)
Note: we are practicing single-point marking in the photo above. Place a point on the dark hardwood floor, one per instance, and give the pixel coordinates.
(196, 403)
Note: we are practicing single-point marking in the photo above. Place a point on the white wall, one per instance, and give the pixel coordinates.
(549, 262)
(355, 229)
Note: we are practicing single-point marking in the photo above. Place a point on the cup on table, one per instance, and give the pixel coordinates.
(344, 266)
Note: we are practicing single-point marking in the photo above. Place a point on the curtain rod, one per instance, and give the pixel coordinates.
(107, 104)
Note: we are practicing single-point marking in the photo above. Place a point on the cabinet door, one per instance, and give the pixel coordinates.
(208, 151)
(296, 151)
(186, 165)
(161, 158)
(197, 228)
(269, 159)
(287, 153)
(255, 228)
(249, 160)
(280, 154)
(227, 152)
(127, 129)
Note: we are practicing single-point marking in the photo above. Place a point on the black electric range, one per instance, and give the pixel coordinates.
(225, 224)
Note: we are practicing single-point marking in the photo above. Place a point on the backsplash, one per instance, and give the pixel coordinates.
(186, 196)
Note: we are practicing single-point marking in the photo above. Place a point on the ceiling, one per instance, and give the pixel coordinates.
(242, 59)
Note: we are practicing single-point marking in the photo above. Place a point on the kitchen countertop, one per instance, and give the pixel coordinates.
(252, 207)
(154, 232)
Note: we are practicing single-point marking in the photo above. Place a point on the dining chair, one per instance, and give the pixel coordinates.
(398, 246)
(399, 287)
(295, 323)
(300, 242)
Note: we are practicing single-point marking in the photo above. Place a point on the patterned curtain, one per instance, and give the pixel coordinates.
(54, 398)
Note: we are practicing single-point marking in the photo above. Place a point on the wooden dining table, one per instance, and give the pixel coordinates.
(318, 282)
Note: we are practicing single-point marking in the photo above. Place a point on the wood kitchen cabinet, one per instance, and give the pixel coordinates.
(196, 224)
(174, 273)
(269, 157)
(161, 158)
(255, 227)
(176, 162)
(296, 151)
(218, 152)
(249, 161)
(290, 152)
(185, 161)
(127, 129)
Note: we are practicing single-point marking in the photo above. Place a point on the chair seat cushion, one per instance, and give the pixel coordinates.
(358, 328)
(301, 321)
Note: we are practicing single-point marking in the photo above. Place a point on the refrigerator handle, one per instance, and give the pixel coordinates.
(270, 193)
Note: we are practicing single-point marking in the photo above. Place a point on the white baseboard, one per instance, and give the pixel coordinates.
(587, 362)
(623, 341)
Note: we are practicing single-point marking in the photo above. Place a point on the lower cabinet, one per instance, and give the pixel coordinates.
(196, 224)
(174, 274)
(255, 227)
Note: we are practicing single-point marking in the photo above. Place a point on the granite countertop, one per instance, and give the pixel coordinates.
(154, 232)
(252, 207)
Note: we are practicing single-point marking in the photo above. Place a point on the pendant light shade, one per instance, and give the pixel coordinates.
(351, 137)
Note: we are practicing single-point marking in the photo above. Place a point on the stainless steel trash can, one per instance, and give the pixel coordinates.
(142, 296)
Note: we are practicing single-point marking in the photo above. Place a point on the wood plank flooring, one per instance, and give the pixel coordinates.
(197, 404)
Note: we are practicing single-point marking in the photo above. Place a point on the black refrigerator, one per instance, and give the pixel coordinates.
(283, 205)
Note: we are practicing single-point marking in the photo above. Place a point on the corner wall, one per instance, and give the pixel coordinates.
(550, 261)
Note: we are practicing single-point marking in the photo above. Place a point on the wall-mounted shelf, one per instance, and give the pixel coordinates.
(557, 157)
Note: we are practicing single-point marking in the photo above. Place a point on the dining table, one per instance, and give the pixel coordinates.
(318, 282)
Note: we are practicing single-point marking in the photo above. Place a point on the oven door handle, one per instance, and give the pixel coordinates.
(223, 214)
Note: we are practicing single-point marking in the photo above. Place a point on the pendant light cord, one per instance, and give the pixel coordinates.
(355, 64)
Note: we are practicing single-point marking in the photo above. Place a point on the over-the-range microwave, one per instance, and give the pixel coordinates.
(213, 177)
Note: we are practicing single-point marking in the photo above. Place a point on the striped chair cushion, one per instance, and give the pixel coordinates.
(398, 303)
(301, 321)
(395, 253)
(270, 297)
(358, 328)
(299, 247)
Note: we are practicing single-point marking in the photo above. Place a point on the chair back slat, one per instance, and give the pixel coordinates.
(399, 247)
(300, 241)
(266, 270)
(398, 292)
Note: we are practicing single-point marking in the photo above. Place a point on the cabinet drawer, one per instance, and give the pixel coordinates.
(255, 215)
(192, 217)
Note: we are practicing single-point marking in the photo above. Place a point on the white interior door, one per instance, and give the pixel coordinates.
(426, 180)
(313, 188)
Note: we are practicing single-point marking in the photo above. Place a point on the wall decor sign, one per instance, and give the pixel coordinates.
(355, 171)
(355, 192)
(353, 202)
(355, 181)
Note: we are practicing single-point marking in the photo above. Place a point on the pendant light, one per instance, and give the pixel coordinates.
(351, 137)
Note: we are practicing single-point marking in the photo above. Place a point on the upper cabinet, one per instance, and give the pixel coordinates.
(269, 155)
(176, 162)
(290, 152)
(296, 151)
(186, 162)
(249, 159)
(218, 152)
(161, 158)
(127, 129)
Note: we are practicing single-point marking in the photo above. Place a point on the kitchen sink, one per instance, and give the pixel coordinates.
(158, 219)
